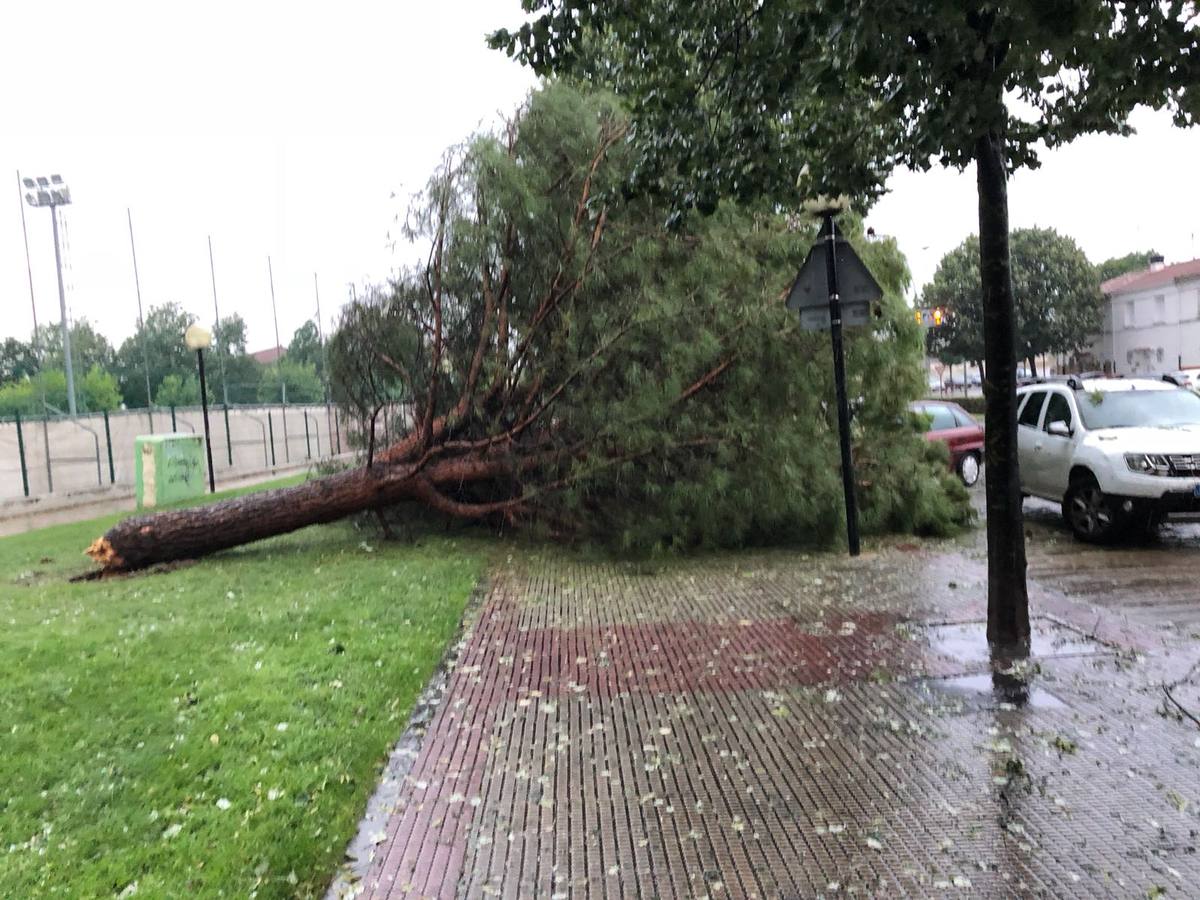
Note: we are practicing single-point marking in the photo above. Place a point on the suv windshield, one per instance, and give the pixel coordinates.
(1128, 409)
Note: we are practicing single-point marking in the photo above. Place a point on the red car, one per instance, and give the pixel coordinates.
(954, 427)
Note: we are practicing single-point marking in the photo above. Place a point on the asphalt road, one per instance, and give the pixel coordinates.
(1155, 580)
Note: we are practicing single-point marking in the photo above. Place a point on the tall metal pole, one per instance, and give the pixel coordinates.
(62, 308)
(212, 483)
(324, 362)
(28, 265)
(137, 284)
(217, 324)
(37, 341)
(274, 310)
(279, 361)
(829, 235)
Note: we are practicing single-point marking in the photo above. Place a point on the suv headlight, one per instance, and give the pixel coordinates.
(1148, 463)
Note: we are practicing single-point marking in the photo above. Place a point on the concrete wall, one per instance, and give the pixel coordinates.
(252, 433)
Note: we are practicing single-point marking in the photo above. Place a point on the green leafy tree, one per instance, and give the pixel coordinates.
(569, 365)
(1120, 265)
(231, 362)
(88, 346)
(178, 390)
(25, 396)
(17, 360)
(95, 390)
(99, 390)
(371, 329)
(802, 97)
(305, 348)
(162, 333)
(303, 385)
(1058, 298)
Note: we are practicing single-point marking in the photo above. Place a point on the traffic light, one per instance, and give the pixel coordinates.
(937, 316)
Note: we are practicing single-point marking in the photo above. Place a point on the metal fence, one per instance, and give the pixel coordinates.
(58, 454)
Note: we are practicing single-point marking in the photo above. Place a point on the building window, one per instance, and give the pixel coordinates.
(1130, 319)
(1160, 309)
(1159, 354)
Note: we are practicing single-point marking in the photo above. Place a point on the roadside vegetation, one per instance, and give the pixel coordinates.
(214, 729)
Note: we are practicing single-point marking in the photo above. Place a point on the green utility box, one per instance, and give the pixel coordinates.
(169, 468)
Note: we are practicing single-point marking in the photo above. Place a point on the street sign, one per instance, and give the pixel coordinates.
(834, 288)
(857, 288)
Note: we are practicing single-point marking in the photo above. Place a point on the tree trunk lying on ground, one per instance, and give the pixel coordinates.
(146, 540)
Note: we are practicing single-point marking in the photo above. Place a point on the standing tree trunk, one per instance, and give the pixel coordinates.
(1008, 599)
(1032, 360)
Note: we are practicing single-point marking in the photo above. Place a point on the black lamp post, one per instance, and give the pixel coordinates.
(198, 338)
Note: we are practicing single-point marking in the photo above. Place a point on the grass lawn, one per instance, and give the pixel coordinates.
(214, 730)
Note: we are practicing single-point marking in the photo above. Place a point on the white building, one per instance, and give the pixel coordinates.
(1151, 320)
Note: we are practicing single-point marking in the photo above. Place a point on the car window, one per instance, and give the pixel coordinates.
(940, 418)
(962, 418)
(1130, 409)
(943, 418)
(1033, 409)
(1058, 409)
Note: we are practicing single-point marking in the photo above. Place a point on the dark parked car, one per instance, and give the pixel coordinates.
(954, 427)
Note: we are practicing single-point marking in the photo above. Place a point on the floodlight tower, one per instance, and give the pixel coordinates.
(52, 192)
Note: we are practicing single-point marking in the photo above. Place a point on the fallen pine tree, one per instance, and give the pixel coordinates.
(565, 362)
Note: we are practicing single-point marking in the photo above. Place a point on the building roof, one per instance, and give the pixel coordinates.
(268, 356)
(1146, 279)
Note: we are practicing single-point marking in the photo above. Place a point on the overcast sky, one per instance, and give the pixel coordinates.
(298, 130)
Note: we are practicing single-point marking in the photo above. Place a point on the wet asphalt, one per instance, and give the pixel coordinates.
(1154, 580)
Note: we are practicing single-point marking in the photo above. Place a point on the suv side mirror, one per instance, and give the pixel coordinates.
(1059, 429)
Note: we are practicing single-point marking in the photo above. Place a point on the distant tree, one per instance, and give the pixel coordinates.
(371, 328)
(99, 390)
(17, 360)
(176, 390)
(88, 346)
(303, 385)
(1119, 265)
(163, 334)
(770, 100)
(95, 390)
(305, 347)
(229, 336)
(1056, 289)
(25, 396)
(231, 361)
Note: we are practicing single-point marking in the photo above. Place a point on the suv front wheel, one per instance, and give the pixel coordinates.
(1092, 514)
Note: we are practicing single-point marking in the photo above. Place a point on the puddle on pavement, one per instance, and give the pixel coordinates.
(967, 641)
(989, 690)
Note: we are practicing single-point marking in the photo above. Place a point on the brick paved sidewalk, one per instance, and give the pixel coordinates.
(777, 725)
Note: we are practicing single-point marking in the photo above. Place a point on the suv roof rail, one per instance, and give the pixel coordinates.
(1072, 382)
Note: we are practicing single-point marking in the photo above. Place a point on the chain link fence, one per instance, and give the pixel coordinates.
(58, 454)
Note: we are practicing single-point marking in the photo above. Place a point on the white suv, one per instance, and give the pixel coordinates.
(1116, 452)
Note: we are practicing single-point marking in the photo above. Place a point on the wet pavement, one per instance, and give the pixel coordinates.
(790, 725)
(1154, 580)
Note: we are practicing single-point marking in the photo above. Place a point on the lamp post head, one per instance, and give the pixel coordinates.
(43, 191)
(197, 337)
